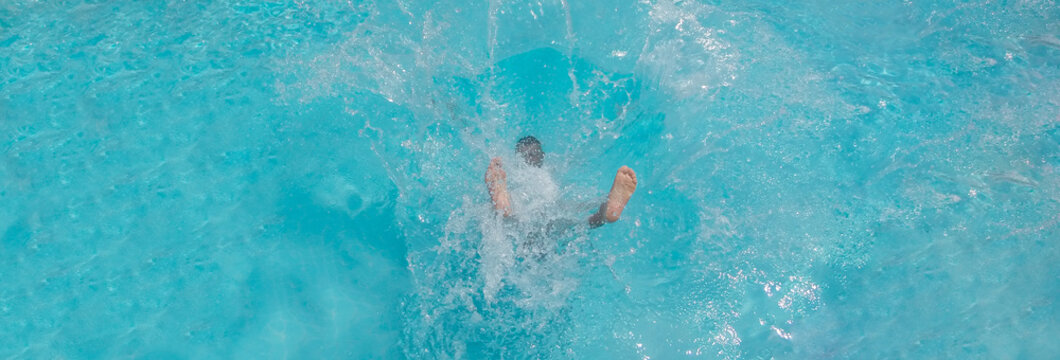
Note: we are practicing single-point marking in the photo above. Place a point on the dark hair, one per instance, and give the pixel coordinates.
(530, 148)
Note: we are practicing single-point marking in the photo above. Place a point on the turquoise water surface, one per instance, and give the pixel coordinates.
(304, 179)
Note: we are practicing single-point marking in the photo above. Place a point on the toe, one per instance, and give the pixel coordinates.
(629, 174)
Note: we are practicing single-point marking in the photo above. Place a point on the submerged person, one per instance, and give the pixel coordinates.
(544, 192)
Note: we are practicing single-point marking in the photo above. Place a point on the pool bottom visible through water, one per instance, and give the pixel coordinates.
(306, 180)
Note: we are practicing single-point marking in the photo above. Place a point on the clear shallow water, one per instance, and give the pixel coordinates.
(303, 179)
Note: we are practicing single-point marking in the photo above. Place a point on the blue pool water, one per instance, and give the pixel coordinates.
(303, 179)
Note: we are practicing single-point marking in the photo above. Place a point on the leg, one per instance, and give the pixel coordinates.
(497, 183)
(621, 190)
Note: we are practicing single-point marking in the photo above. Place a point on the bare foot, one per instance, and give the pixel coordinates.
(497, 183)
(621, 190)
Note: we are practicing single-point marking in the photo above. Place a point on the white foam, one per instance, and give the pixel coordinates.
(533, 191)
(496, 256)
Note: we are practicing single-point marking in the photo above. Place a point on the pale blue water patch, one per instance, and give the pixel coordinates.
(304, 179)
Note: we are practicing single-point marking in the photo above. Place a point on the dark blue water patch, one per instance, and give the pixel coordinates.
(301, 214)
(641, 135)
(460, 101)
(1043, 51)
(1050, 149)
(538, 80)
(10, 40)
(377, 226)
(17, 236)
(374, 228)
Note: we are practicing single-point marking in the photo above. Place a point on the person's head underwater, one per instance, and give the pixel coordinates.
(530, 149)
